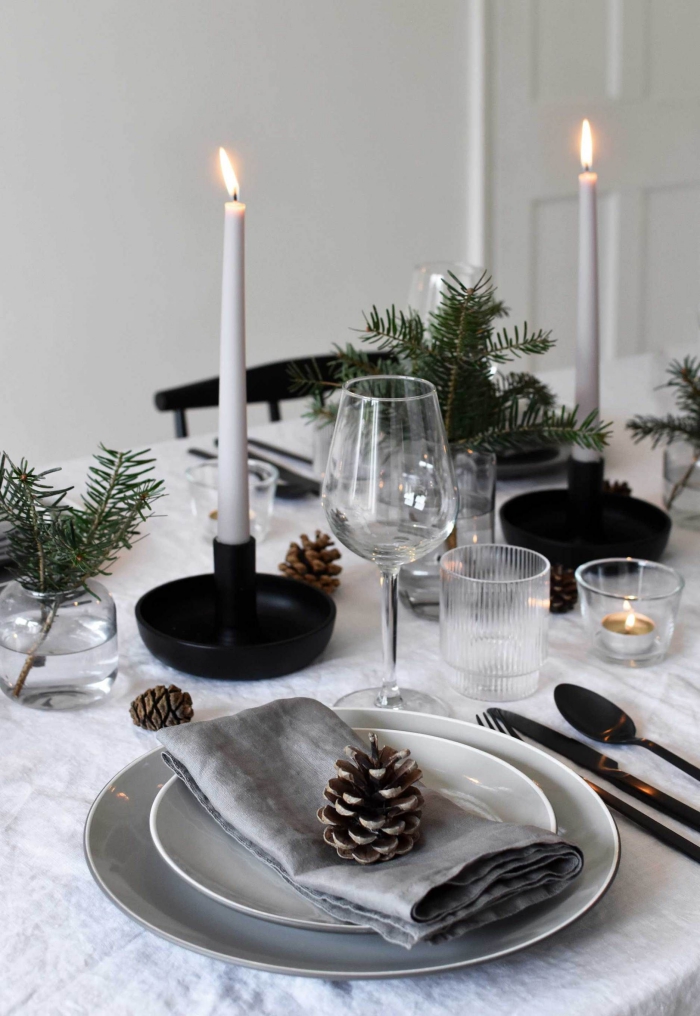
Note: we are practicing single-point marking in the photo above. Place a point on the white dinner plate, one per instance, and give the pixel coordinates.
(126, 865)
(199, 850)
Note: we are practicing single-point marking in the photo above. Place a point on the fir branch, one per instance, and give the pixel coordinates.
(394, 330)
(504, 347)
(664, 428)
(56, 546)
(684, 379)
(457, 350)
(514, 428)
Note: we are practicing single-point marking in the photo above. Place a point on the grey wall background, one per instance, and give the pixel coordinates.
(347, 123)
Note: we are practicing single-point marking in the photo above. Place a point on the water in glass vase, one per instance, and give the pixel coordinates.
(57, 651)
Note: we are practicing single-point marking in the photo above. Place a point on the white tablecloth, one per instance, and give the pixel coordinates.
(67, 950)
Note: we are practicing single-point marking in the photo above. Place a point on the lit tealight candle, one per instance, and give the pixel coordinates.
(626, 633)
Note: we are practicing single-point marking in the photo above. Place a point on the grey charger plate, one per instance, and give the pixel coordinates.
(127, 867)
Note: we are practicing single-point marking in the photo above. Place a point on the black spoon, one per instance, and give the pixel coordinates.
(602, 720)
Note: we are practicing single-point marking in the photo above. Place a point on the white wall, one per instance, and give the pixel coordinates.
(347, 122)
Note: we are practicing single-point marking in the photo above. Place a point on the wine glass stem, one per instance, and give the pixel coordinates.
(389, 696)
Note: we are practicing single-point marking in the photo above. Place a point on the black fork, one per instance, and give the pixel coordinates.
(494, 720)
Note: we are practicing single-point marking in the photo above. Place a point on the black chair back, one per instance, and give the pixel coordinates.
(270, 383)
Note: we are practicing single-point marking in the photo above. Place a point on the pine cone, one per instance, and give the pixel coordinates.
(617, 487)
(161, 707)
(312, 562)
(563, 592)
(374, 811)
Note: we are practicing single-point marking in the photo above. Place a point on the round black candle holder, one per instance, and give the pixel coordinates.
(236, 624)
(579, 523)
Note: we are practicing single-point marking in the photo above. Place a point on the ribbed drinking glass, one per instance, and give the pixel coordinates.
(494, 619)
(389, 494)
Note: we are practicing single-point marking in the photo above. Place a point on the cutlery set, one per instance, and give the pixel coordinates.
(598, 718)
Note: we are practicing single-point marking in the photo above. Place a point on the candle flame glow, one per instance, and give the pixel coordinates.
(229, 176)
(586, 145)
(630, 621)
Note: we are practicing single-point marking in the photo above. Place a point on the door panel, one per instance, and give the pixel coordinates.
(630, 66)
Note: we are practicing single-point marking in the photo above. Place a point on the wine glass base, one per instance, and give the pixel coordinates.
(411, 701)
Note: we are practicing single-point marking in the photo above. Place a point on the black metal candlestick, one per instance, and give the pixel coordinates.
(236, 624)
(580, 523)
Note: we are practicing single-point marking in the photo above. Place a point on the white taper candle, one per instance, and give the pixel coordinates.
(233, 511)
(587, 333)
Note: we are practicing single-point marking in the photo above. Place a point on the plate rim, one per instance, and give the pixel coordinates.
(327, 927)
(348, 975)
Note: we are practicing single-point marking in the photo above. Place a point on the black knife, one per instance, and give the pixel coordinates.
(587, 757)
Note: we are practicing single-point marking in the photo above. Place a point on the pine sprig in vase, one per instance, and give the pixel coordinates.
(684, 380)
(56, 546)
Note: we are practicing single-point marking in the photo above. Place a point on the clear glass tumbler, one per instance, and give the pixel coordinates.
(475, 472)
(262, 485)
(494, 619)
(389, 495)
(629, 607)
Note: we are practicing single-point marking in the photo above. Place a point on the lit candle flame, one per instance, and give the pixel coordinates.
(630, 621)
(229, 176)
(586, 146)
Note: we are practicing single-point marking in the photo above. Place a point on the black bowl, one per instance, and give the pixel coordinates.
(630, 528)
(177, 622)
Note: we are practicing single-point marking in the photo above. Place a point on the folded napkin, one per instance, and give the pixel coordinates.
(261, 774)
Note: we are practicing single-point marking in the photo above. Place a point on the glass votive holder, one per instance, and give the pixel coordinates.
(204, 489)
(494, 619)
(629, 608)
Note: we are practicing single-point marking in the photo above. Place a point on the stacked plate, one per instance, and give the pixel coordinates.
(160, 858)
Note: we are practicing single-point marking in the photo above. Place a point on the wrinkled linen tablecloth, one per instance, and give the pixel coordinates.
(67, 950)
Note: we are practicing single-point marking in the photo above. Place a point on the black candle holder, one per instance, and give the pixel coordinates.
(580, 523)
(236, 624)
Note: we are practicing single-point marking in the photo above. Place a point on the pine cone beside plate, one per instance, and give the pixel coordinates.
(161, 707)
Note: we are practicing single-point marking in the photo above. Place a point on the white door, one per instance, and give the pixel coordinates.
(632, 68)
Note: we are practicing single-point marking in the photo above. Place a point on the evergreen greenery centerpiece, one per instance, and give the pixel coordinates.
(458, 351)
(56, 547)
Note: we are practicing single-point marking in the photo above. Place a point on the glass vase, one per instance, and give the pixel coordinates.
(475, 472)
(57, 650)
(682, 484)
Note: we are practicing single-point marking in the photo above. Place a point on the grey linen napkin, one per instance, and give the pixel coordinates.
(261, 773)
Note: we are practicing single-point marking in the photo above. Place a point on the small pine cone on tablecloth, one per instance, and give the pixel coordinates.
(314, 562)
(161, 707)
(617, 487)
(375, 809)
(563, 592)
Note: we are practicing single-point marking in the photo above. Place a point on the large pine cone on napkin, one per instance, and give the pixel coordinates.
(374, 811)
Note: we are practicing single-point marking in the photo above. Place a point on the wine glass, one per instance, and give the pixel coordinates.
(390, 496)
